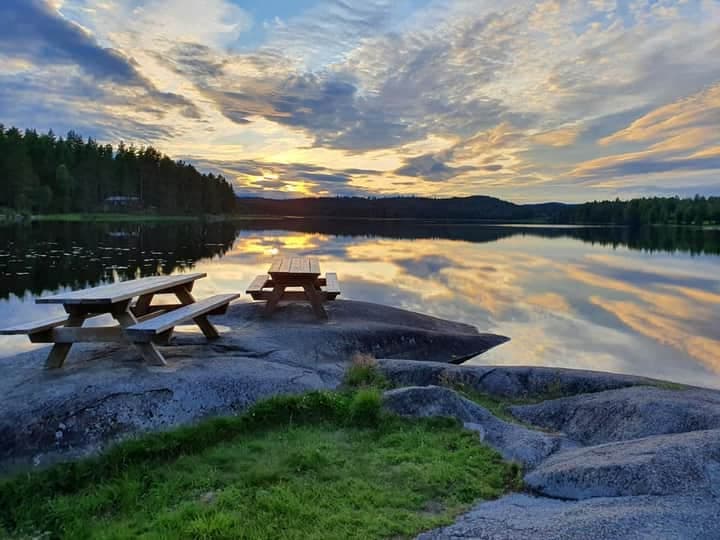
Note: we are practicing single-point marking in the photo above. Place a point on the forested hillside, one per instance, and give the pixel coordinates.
(42, 173)
(477, 207)
(635, 212)
(653, 210)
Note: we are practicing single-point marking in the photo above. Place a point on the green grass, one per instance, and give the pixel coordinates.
(320, 465)
(363, 372)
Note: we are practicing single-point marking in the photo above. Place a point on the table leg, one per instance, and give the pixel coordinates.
(143, 305)
(185, 296)
(315, 300)
(149, 351)
(275, 297)
(59, 352)
(207, 327)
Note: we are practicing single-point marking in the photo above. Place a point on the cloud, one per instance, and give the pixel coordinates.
(558, 137)
(431, 168)
(528, 100)
(35, 32)
(253, 177)
(678, 136)
(677, 119)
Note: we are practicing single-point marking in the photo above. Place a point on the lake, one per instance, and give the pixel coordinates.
(644, 302)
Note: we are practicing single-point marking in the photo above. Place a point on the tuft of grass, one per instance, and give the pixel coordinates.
(366, 407)
(363, 371)
(318, 465)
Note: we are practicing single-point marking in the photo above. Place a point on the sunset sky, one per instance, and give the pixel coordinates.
(527, 101)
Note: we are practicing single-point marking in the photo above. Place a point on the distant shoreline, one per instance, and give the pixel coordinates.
(102, 217)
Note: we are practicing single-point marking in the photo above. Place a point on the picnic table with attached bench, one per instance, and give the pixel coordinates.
(295, 272)
(130, 304)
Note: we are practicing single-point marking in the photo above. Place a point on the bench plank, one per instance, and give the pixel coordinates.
(144, 332)
(33, 327)
(258, 284)
(332, 285)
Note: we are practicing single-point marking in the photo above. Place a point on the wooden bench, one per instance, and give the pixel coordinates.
(261, 288)
(149, 330)
(34, 327)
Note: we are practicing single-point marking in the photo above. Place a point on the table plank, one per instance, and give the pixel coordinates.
(295, 266)
(275, 267)
(118, 292)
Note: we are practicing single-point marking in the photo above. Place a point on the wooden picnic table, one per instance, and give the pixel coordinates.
(295, 272)
(130, 304)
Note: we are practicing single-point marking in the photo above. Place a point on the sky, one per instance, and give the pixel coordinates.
(524, 100)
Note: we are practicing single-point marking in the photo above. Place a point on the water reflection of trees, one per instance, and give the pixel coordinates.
(48, 256)
(692, 240)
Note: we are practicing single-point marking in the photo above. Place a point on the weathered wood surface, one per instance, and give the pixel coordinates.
(332, 285)
(119, 292)
(34, 326)
(294, 266)
(145, 331)
(157, 321)
(298, 272)
(258, 284)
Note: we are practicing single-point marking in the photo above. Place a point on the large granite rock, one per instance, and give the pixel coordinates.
(523, 517)
(106, 392)
(514, 442)
(628, 413)
(508, 381)
(659, 465)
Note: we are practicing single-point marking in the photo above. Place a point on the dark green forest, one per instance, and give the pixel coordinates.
(648, 211)
(42, 173)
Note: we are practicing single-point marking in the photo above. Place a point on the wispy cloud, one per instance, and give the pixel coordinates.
(527, 100)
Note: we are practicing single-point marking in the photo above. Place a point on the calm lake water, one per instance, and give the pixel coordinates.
(644, 302)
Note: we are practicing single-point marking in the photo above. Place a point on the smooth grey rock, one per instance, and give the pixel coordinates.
(514, 442)
(659, 465)
(508, 381)
(628, 413)
(523, 517)
(104, 393)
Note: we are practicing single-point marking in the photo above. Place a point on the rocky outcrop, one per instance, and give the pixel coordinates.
(524, 517)
(628, 413)
(628, 459)
(659, 465)
(508, 381)
(105, 393)
(514, 442)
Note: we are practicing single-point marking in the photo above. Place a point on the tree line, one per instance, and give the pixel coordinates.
(636, 212)
(646, 211)
(42, 173)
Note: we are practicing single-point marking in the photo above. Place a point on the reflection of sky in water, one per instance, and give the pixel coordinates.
(563, 302)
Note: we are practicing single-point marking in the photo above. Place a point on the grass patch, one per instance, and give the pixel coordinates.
(320, 465)
(669, 385)
(363, 372)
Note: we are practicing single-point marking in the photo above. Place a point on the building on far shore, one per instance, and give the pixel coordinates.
(121, 202)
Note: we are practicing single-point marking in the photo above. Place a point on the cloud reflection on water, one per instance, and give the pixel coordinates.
(562, 301)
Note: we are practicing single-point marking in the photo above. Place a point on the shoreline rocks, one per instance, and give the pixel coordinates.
(105, 393)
